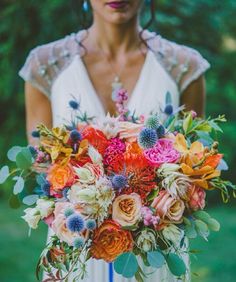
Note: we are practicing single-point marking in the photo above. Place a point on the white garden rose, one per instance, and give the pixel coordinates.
(32, 217)
(45, 207)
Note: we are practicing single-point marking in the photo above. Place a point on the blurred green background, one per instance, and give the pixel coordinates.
(207, 25)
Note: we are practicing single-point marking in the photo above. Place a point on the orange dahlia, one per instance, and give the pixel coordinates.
(96, 138)
(110, 241)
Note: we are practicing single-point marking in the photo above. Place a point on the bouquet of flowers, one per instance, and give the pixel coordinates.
(127, 189)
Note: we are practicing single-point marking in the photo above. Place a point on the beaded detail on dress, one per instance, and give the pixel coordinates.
(46, 62)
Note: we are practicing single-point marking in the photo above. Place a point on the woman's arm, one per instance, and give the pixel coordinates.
(194, 96)
(38, 110)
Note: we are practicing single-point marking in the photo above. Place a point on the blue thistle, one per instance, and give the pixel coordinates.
(78, 242)
(75, 223)
(45, 187)
(160, 131)
(33, 151)
(75, 135)
(74, 104)
(153, 122)
(35, 134)
(91, 224)
(119, 181)
(147, 138)
(68, 212)
(169, 109)
(64, 192)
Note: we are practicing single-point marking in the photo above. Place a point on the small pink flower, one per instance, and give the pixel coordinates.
(162, 152)
(194, 114)
(148, 217)
(196, 198)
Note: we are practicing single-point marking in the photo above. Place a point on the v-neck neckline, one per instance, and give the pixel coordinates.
(131, 95)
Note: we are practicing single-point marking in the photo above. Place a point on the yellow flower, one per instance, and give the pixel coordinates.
(190, 155)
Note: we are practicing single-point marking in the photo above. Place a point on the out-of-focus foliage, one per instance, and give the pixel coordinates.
(207, 25)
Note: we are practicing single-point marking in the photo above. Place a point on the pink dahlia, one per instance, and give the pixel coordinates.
(162, 152)
(114, 152)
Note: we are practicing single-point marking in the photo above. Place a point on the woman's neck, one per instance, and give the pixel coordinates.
(114, 39)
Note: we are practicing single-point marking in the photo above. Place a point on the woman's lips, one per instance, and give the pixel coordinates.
(117, 4)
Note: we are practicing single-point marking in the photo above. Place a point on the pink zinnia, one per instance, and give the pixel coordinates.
(114, 152)
(162, 152)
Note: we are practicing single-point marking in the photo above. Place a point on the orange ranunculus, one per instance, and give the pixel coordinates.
(110, 241)
(190, 155)
(60, 176)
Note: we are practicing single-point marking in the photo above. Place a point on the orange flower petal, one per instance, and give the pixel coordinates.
(213, 161)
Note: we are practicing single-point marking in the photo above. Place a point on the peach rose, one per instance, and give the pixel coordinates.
(168, 208)
(126, 209)
(196, 198)
(110, 241)
(60, 176)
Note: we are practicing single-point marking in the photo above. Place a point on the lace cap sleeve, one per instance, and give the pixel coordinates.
(44, 63)
(182, 63)
(190, 66)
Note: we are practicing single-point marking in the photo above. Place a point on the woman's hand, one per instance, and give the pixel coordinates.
(38, 110)
(194, 96)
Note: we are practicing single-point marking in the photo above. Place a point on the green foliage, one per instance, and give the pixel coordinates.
(126, 265)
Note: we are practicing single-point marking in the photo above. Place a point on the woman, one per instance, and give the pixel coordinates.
(84, 65)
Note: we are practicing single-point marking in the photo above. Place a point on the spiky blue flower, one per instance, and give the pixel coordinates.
(78, 242)
(68, 212)
(153, 122)
(147, 138)
(35, 134)
(169, 109)
(64, 192)
(33, 151)
(119, 181)
(75, 222)
(75, 135)
(160, 131)
(45, 187)
(91, 224)
(74, 104)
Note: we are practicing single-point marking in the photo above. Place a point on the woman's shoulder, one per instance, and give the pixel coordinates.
(45, 62)
(183, 63)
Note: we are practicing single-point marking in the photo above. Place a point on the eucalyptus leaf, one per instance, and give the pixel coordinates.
(19, 185)
(155, 259)
(222, 165)
(24, 159)
(4, 173)
(213, 224)
(202, 228)
(202, 215)
(190, 231)
(12, 153)
(126, 264)
(176, 264)
(30, 200)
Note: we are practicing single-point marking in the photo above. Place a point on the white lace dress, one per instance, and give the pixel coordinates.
(57, 70)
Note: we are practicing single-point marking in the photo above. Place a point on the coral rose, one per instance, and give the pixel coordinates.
(60, 176)
(196, 198)
(110, 241)
(126, 209)
(168, 208)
